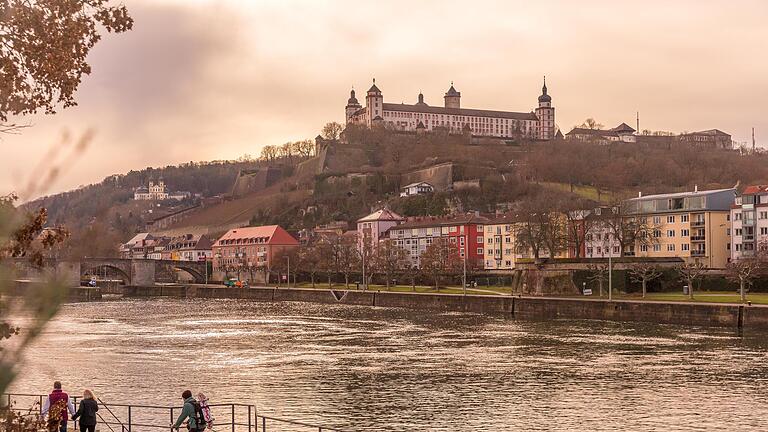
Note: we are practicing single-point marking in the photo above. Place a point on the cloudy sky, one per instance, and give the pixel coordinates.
(204, 80)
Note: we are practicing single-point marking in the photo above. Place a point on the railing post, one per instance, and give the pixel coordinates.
(129, 418)
(41, 404)
(233, 417)
(263, 424)
(249, 418)
(172, 421)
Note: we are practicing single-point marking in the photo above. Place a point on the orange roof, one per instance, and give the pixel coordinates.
(273, 234)
(755, 189)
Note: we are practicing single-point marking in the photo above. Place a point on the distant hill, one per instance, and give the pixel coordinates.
(345, 180)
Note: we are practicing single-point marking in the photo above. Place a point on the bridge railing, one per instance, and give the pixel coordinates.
(119, 417)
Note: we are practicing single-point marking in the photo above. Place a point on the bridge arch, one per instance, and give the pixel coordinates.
(95, 267)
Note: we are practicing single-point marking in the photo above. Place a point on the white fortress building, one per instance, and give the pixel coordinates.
(537, 124)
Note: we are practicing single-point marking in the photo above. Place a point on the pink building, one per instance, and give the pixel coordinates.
(371, 227)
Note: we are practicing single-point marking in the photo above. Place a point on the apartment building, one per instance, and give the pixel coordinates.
(499, 242)
(251, 247)
(694, 225)
(749, 221)
(465, 231)
(371, 228)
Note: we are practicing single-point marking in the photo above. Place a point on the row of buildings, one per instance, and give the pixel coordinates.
(713, 227)
(537, 124)
(157, 191)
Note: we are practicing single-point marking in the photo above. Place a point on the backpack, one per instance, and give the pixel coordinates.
(200, 421)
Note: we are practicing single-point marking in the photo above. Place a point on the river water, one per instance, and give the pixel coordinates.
(374, 369)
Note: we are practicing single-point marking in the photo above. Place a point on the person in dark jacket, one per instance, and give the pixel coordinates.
(86, 411)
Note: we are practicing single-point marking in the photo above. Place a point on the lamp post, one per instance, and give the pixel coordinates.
(610, 268)
(288, 257)
(218, 260)
(464, 277)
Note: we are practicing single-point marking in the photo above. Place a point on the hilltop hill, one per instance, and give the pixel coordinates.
(345, 180)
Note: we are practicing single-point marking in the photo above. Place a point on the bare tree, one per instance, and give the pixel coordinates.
(644, 273)
(744, 271)
(541, 227)
(591, 123)
(628, 229)
(599, 274)
(309, 261)
(391, 259)
(690, 272)
(411, 272)
(332, 130)
(347, 256)
(269, 153)
(440, 259)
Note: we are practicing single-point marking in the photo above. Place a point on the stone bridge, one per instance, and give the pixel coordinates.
(131, 271)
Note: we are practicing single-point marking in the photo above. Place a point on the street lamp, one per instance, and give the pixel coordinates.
(464, 277)
(610, 268)
(288, 257)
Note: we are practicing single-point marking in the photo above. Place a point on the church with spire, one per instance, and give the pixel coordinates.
(538, 124)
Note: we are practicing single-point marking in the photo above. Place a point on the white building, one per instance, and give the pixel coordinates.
(749, 222)
(155, 191)
(537, 124)
(371, 227)
(419, 188)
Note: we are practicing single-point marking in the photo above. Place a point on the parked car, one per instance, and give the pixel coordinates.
(236, 283)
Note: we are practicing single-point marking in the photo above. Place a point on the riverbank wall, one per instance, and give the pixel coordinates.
(529, 308)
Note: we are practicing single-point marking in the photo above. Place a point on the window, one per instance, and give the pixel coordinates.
(490, 240)
(738, 231)
(670, 248)
(670, 219)
(670, 233)
(643, 248)
(656, 220)
(480, 251)
(657, 233)
(737, 216)
(684, 233)
(479, 239)
(763, 231)
(657, 248)
(490, 252)
(686, 246)
(683, 218)
(589, 250)
(615, 249)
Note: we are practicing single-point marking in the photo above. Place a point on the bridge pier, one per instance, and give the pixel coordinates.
(142, 272)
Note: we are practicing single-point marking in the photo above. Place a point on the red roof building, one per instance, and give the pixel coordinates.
(251, 247)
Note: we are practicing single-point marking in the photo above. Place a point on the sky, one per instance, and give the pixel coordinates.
(199, 80)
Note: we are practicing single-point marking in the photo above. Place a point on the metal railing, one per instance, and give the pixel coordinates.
(119, 417)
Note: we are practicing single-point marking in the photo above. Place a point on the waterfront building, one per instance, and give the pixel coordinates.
(371, 228)
(499, 243)
(420, 117)
(190, 247)
(465, 231)
(251, 247)
(749, 222)
(694, 226)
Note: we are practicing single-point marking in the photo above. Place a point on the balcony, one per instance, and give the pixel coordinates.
(698, 238)
(698, 252)
(697, 223)
(748, 237)
(748, 222)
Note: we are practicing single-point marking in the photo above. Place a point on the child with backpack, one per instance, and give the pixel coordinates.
(205, 407)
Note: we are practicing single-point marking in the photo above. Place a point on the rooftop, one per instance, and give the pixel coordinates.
(459, 111)
(384, 214)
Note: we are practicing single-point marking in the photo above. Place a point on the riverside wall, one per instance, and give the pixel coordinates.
(528, 308)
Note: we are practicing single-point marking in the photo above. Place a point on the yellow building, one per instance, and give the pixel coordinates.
(690, 225)
(499, 244)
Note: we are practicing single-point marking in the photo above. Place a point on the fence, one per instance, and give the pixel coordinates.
(117, 417)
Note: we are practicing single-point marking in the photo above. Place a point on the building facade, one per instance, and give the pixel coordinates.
(466, 232)
(694, 226)
(250, 247)
(421, 117)
(749, 222)
(371, 228)
(190, 247)
(155, 191)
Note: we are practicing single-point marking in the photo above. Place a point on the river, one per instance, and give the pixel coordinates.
(373, 369)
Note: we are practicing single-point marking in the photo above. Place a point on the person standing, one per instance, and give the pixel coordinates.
(86, 411)
(56, 406)
(192, 413)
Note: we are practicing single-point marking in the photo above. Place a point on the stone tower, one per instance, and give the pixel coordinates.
(452, 98)
(374, 104)
(352, 105)
(546, 114)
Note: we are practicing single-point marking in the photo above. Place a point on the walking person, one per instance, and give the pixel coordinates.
(192, 413)
(56, 406)
(86, 411)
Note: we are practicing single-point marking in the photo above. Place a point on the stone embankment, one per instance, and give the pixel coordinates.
(530, 308)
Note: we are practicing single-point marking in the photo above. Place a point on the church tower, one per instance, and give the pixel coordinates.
(546, 114)
(352, 105)
(374, 104)
(452, 98)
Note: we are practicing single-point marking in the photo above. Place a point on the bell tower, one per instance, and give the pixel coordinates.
(546, 114)
(352, 105)
(374, 104)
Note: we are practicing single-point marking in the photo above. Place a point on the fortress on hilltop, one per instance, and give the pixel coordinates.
(420, 117)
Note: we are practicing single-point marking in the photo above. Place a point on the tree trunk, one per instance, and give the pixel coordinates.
(346, 281)
(387, 282)
(600, 284)
(413, 284)
(312, 277)
(329, 281)
(690, 289)
(644, 282)
(742, 291)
